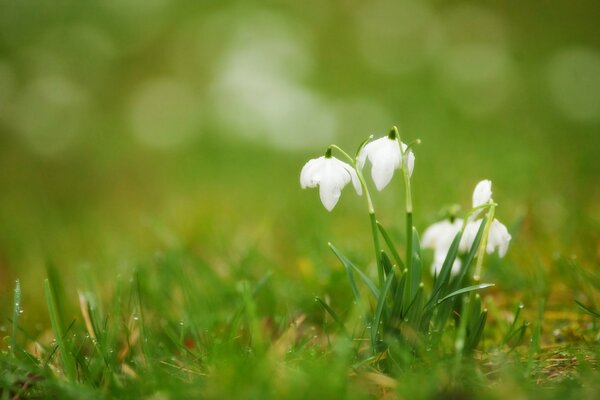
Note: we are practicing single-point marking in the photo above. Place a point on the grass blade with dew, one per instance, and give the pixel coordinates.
(333, 315)
(511, 329)
(68, 361)
(16, 315)
(388, 241)
(465, 290)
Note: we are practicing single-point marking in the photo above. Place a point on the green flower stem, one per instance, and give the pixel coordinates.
(374, 230)
(409, 227)
(483, 244)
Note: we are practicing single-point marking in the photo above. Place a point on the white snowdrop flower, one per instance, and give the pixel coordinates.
(386, 157)
(498, 237)
(331, 175)
(482, 193)
(439, 237)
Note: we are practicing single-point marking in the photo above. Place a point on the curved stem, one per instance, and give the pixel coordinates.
(371, 209)
(483, 244)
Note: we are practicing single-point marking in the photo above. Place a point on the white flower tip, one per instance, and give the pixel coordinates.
(482, 193)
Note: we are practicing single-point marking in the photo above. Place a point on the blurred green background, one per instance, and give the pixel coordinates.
(133, 127)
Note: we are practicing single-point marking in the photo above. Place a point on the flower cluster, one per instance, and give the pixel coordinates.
(440, 235)
(386, 155)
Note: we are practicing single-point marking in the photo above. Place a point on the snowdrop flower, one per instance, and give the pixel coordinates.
(498, 236)
(386, 157)
(439, 237)
(482, 193)
(331, 175)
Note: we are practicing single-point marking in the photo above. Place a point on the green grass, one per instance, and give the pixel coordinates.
(230, 313)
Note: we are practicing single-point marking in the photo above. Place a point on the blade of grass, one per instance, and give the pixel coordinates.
(511, 328)
(587, 309)
(333, 315)
(68, 361)
(15, 320)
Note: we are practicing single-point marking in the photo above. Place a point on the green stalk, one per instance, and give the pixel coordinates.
(374, 229)
(483, 244)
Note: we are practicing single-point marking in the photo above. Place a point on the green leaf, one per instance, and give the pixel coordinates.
(348, 266)
(391, 247)
(465, 290)
(588, 309)
(379, 310)
(475, 335)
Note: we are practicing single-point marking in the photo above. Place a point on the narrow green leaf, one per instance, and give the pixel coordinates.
(588, 309)
(379, 310)
(388, 241)
(465, 290)
(16, 315)
(475, 335)
(68, 361)
(348, 265)
(442, 280)
(333, 315)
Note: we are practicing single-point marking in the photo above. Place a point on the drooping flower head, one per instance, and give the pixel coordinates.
(439, 237)
(385, 155)
(330, 175)
(482, 193)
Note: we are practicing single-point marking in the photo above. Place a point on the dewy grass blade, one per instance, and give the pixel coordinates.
(67, 360)
(388, 241)
(16, 315)
(587, 309)
(380, 304)
(510, 331)
(333, 315)
(465, 290)
(347, 265)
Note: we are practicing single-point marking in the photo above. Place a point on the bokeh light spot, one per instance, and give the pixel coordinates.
(164, 113)
(573, 78)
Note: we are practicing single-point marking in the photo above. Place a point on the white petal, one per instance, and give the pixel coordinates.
(387, 159)
(498, 237)
(329, 192)
(410, 163)
(469, 235)
(307, 173)
(482, 193)
(441, 234)
(353, 177)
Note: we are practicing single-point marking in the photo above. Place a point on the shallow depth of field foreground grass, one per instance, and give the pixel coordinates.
(155, 242)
